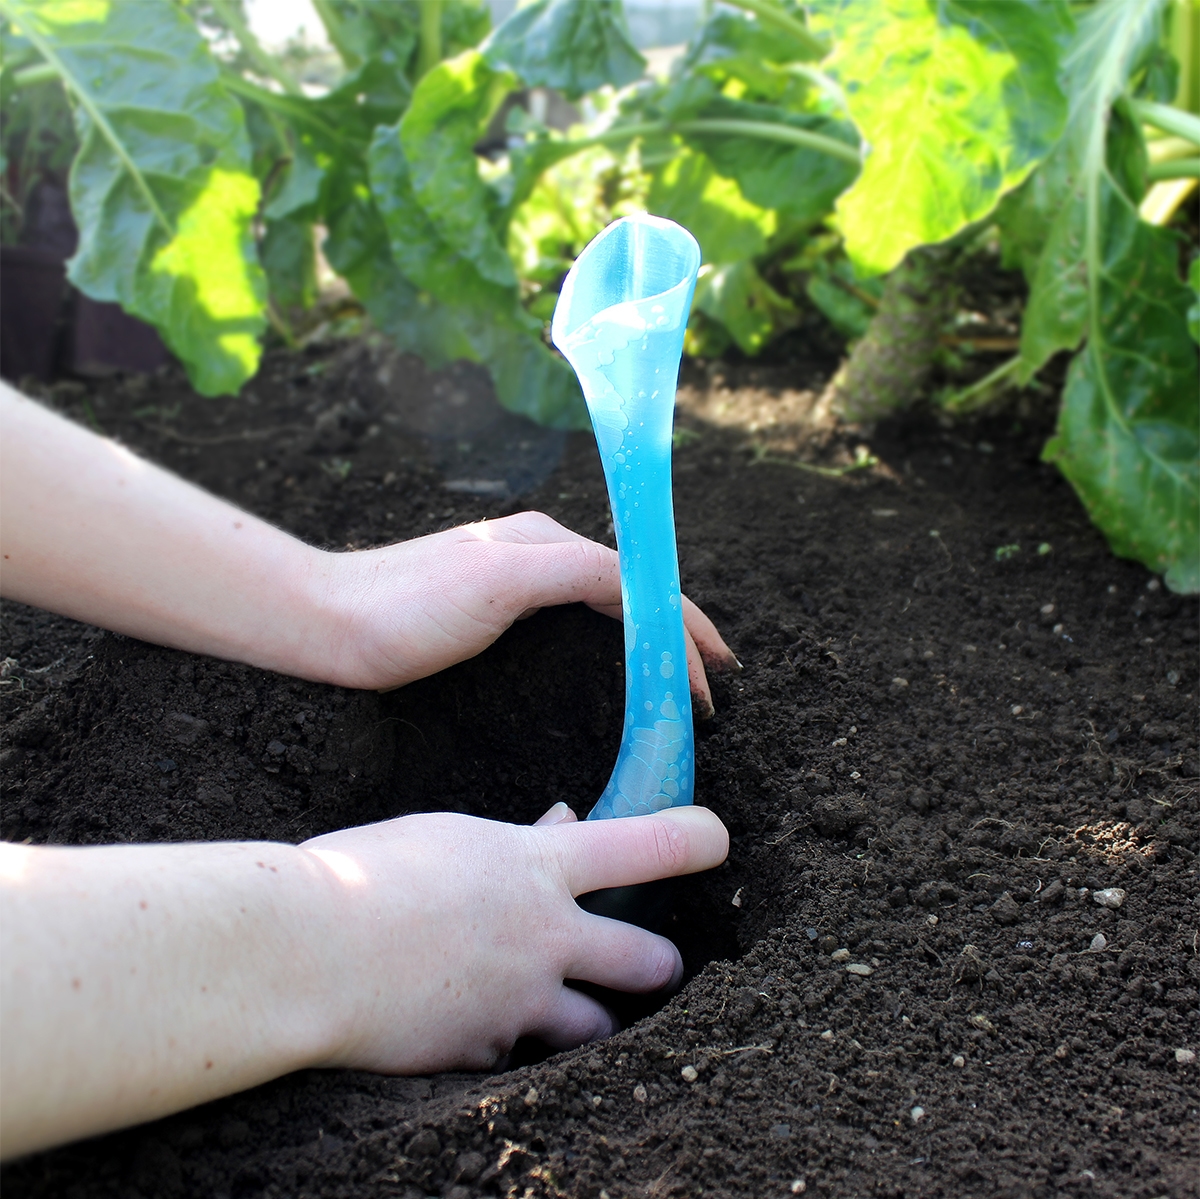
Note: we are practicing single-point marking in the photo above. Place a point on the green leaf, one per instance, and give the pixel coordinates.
(1193, 312)
(1050, 219)
(450, 110)
(570, 204)
(482, 318)
(747, 306)
(388, 31)
(800, 183)
(958, 101)
(711, 207)
(161, 188)
(575, 46)
(841, 297)
(288, 255)
(1128, 435)
(735, 46)
(300, 186)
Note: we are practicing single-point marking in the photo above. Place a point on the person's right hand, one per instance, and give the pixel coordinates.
(456, 934)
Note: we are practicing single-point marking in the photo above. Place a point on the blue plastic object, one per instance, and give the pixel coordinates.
(619, 322)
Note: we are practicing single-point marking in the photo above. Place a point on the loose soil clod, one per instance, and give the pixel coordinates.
(914, 766)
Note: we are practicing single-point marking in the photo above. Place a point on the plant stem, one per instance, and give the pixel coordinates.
(1168, 119)
(1175, 168)
(982, 390)
(1162, 201)
(431, 36)
(773, 132)
(89, 105)
(297, 107)
(771, 14)
(765, 130)
(266, 65)
(39, 72)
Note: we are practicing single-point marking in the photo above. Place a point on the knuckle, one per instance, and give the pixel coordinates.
(670, 846)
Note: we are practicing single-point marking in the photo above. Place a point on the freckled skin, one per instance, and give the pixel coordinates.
(321, 968)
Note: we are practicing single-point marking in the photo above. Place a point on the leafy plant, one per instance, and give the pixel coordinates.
(843, 155)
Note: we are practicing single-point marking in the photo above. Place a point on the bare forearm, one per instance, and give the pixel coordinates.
(140, 980)
(91, 531)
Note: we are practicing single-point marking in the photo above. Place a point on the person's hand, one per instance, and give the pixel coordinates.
(456, 934)
(411, 609)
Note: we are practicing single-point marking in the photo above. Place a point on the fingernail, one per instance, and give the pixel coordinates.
(556, 815)
(702, 705)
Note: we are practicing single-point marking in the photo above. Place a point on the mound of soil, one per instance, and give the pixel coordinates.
(961, 721)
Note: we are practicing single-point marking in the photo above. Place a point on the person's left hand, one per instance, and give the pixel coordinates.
(411, 609)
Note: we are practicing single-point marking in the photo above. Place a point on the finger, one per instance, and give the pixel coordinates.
(716, 654)
(702, 702)
(625, 957)
(636, 849)
(575, 1019)
(558, 814)
(697, 678)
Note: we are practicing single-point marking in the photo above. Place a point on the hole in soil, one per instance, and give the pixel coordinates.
(533, 720)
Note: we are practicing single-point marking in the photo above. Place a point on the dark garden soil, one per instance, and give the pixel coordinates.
(902, 983)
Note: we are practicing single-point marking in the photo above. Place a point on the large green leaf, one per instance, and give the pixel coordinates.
(958, 101)
(1128, 434)
(450, 109)
(575, 46)
(736, 46)
(1053, 222)
(483, 318)
(388, 31)
(738, 297)
(687, 189)
(799, 182)
(161, 188)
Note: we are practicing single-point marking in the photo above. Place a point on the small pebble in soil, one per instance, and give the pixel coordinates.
(1110, 897)
(1099, 944)
(980, 1021)
(1062, 1051)
(1025, 946)
(689, 1073)
(840, 955)
(737, 898)
(799, 1186)
(859, 968)
(827, 1035)
(531, 1097)
(918, 1114)
(1185, 1057)
(781, 1131)
(811, 934)
(959, 1061)
(639, 1094)
(932, 921)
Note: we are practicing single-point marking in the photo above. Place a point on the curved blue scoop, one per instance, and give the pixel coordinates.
(620, 320)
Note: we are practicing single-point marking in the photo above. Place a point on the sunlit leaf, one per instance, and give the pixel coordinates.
(449, 111)
(572, 45)
(161, 188)
(1048, 221)
(711, 207)
(742, 301)
(958, 102)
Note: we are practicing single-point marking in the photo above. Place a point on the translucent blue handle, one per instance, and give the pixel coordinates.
(619, 322)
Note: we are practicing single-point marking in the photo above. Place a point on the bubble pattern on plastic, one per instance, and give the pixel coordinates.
(620, 321)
